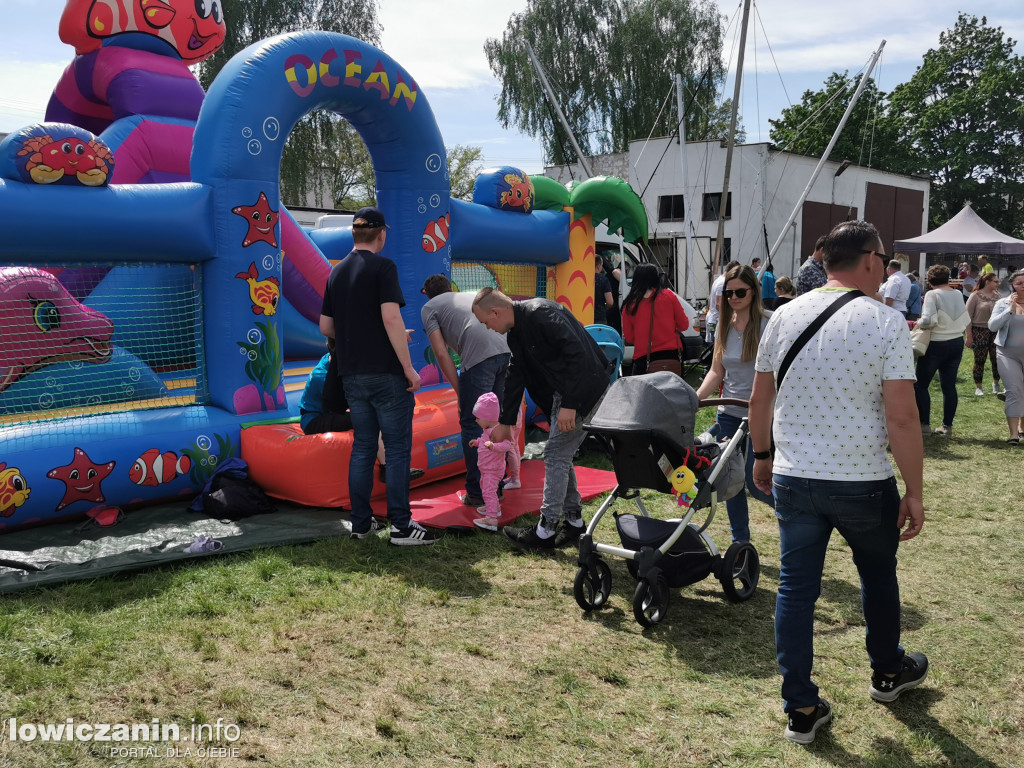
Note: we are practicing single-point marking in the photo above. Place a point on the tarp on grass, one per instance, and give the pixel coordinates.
(157, 535)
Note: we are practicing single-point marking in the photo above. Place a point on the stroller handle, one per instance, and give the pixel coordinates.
(723, 401)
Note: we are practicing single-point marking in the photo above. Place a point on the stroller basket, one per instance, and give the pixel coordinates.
(686, 562)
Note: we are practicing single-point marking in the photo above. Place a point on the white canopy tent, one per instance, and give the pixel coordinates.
(965, 233)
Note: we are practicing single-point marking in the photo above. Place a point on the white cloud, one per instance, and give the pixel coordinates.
(806, 36)
(25, 88)
(442, 45)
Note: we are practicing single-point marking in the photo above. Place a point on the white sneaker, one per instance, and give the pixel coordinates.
(995, 388)
(926, 429)
(513, 485)
(979, 392)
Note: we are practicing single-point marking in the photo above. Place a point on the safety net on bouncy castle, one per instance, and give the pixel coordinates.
(92, 339)
(520, 281)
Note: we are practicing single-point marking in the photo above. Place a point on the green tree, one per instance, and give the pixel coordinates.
(611, 63)
(868, 138)
(464, 163)
(962, 114)
(320, 134)
(354, 184)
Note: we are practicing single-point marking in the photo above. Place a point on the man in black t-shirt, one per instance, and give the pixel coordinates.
(362, 313)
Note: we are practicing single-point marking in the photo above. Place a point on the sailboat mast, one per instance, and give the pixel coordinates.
(688, 288)
(828, 151)
(558, 110)
(723, 204)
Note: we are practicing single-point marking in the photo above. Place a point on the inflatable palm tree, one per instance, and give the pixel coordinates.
(599, 199)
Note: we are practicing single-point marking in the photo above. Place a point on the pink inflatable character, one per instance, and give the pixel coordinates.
(42, 324)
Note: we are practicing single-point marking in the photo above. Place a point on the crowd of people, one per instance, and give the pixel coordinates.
(818, 450)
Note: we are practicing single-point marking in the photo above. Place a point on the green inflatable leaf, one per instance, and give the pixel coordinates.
(611, 200)
(550, 195)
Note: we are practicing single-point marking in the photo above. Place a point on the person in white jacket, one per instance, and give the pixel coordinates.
(945, 313)
(1007, 321)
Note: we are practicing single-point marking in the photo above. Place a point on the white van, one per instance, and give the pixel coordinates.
(334, 220)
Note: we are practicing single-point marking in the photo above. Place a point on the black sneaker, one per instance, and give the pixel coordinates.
(801, 728)
(527, 538)
(415, 473)
(472, 501)
(568, 534)
(373, 528)
(915, 670)
(413, 536)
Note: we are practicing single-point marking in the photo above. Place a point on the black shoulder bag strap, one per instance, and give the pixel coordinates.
(810, 330)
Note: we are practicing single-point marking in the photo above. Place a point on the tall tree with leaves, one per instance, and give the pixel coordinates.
(962, 114)
(611, 63)
(307, 166)
(356, 186)
(868, 138)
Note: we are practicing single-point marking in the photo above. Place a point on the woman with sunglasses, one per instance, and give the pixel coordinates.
(740, 325)
(651, 319)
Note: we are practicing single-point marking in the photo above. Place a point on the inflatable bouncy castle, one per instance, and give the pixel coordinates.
(142, 325)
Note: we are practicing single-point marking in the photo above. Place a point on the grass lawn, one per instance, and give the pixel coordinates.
(345, 653)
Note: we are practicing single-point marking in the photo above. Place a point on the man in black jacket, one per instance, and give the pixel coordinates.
(567, 375)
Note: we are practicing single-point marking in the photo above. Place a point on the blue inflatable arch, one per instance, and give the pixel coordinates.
(252, 106)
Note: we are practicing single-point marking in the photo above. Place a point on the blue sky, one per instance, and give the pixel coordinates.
(792, 46)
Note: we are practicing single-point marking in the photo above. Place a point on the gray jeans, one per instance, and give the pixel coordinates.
(561, 497)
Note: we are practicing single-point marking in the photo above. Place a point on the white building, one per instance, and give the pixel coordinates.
(764, 187)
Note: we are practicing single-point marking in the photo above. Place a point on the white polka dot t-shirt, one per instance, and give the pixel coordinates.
(829, 416)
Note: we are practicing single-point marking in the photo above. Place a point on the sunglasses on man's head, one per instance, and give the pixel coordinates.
(739, 293)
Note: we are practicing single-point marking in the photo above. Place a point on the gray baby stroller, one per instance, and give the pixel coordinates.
(647, 425)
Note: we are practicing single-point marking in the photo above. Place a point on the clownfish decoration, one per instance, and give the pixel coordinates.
(264, 294)
(435, 236)
(156, 468)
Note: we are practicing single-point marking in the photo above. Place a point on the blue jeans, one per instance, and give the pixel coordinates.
(486, 376)
(865, 514)
(942, 357)
(379, 403)
(725, 426)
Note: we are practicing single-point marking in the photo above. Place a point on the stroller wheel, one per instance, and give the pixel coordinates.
(740, 571)
(650, 601)
(593, 585)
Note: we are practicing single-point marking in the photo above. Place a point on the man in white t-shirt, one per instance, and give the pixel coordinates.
(896, 289)
(715, 302)
(848, 393)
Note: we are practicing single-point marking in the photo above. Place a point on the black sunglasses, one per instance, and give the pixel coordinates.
(882, 256)
(739, 293)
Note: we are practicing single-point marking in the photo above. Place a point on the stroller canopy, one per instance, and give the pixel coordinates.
(656, 402)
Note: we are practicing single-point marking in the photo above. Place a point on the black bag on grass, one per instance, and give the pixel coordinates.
(230, 494)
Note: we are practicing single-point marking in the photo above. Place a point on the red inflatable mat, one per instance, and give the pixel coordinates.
(438, 504)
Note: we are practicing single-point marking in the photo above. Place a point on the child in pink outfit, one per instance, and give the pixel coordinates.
(490, 459)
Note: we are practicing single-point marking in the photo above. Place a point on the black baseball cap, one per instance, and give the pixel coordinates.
(372, 216)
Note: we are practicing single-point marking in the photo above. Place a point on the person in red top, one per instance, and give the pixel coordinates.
(657, 340)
